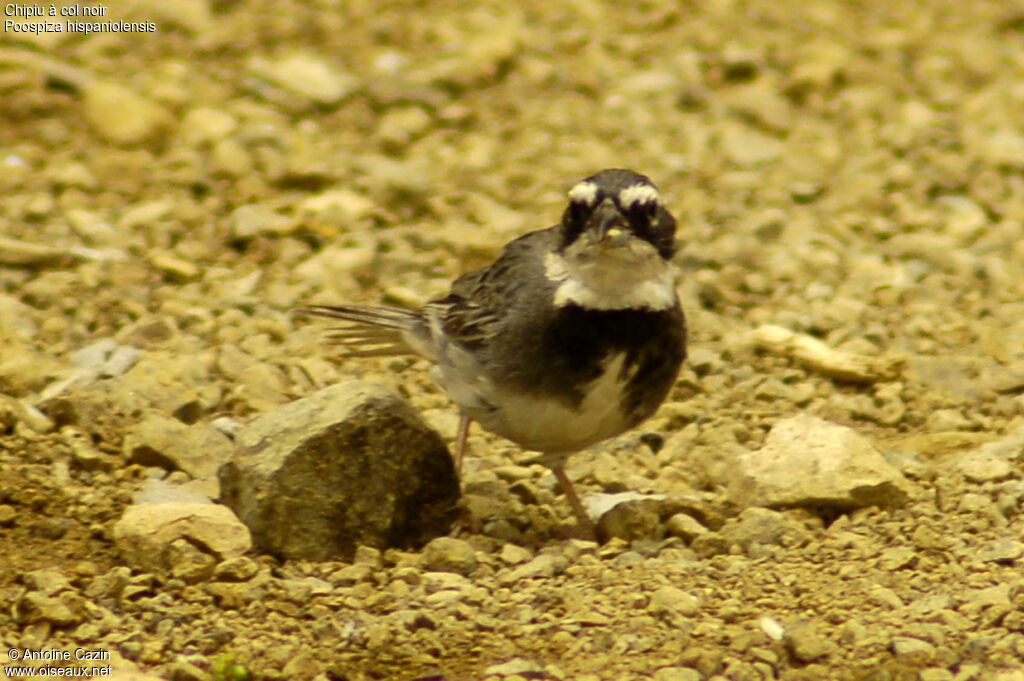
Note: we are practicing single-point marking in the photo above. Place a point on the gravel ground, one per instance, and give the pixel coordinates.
(851, 172)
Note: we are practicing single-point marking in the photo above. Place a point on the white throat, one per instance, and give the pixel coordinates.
(616, 278)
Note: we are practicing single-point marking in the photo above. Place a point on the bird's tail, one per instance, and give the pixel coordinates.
(374, 331)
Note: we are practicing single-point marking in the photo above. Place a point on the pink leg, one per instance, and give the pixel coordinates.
(460, 441)
(582, 519)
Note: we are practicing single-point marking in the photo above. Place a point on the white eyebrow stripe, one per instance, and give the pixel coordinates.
(584, 192)
(638, 193)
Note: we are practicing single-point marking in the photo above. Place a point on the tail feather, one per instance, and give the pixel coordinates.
(373, 331)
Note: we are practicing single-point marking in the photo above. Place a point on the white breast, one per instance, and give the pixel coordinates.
(631, 277)
(551, 426)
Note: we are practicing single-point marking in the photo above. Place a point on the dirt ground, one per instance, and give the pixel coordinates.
(851, 171)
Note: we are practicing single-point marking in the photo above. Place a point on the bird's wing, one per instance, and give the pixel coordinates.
(479, 301)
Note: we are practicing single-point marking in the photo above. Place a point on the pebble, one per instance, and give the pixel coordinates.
(543, 566)
(684, 526)
(677, 674)
(907, 645)
(145, 532)
(806, 643)
(123, 116)
(673, 601)
(307, 75)
(446, 554)
(841, 469)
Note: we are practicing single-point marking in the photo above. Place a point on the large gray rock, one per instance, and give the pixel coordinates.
(806, 461)
(349, 465)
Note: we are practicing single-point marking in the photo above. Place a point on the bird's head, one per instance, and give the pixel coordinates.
(617, 209)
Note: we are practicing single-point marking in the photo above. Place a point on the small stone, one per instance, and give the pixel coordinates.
(237, 569)
(159, 440)
(685, 526)
(905, 645)
(182, 670)
(35, 607)
(897, 558)
(7, 515)
(760, 526)
(983, 465)
(672, 601)
(145, 533)
(677, 674)
(204, 125)
(631, 520)
(121, 115)
(519, 665)
(841, 469)
(306, 75)
(188, 563)
(352, 574)
(255, 219)
(446, 554)
(47, 581)
(514, 554)
(544, 565)
(805, 643)
(109, 585)
(1002, 550)
(369, 556)
(710, 544)
(935, 674)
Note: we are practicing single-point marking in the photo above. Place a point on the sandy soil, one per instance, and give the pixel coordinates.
(850, 171)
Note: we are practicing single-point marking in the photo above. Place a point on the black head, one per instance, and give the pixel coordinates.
(615, 205)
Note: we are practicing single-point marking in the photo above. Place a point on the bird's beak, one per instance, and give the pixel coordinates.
(609, 225)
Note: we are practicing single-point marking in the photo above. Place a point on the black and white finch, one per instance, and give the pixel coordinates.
(574, 335)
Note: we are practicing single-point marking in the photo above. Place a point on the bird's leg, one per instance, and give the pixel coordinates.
(586, 525)
(460, 442)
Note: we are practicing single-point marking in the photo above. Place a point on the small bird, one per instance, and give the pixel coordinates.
(572, 336)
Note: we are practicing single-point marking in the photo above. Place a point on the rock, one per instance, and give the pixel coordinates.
(204, 125)
(178, 385)
(307, 75)
(805, 643)
(447, 554)
(255, 219)
(673, 602)
(47, 581)
(906, 645)
(677, 674)
(635, 518)
(347, 466)
(806, 461)
(684, 526)
(520, 666)
(238, 569)
(514, 555)
(544, 565)
(60, 611)
(121, 115)
(1002, 550)
(159, 440)
(188, 563)
(991, 461)
(146, 533)
(761, 526)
